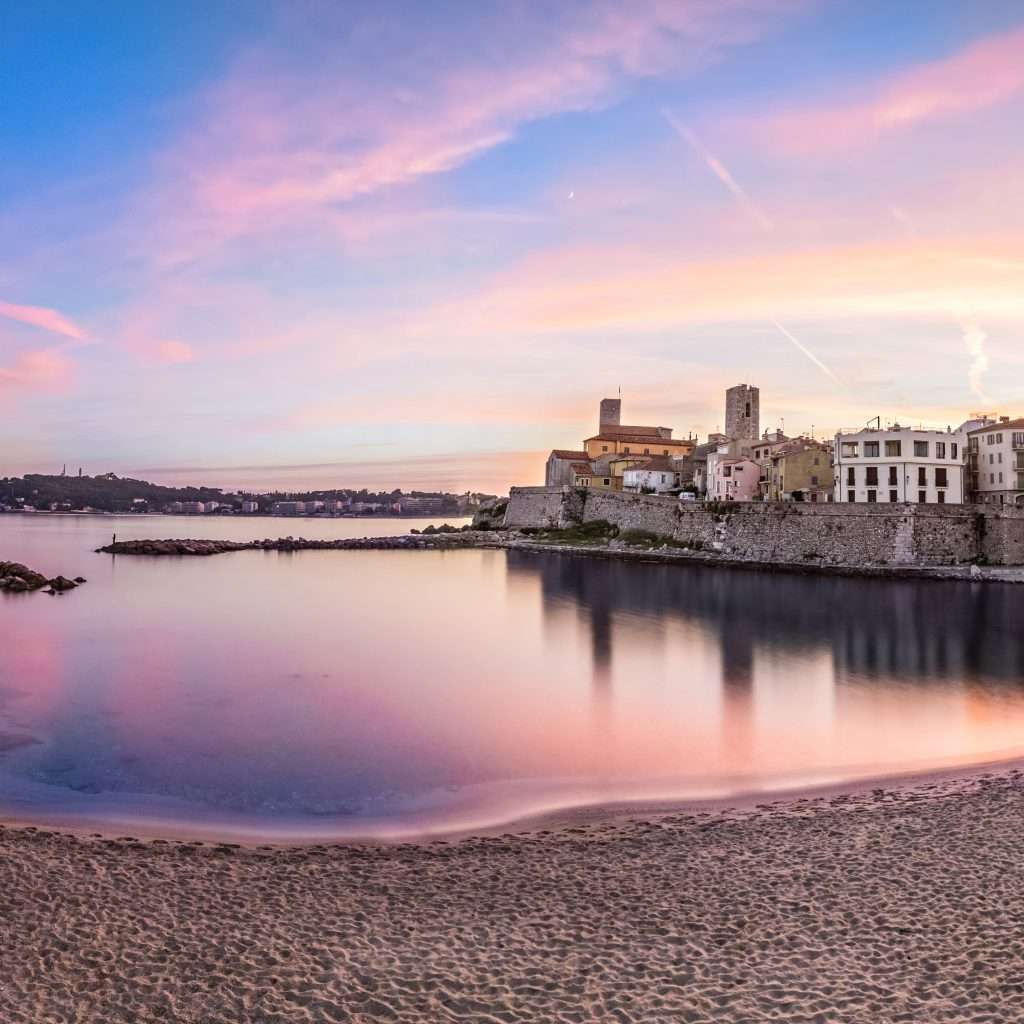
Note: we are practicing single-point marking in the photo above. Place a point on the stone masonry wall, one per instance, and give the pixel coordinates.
(840, 534)
(534, 506)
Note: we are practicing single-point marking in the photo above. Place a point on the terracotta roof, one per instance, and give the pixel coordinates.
(636, 431)
(564, 453)
(582, 468)
(1017, 424)
(658, 464)
(651, 440)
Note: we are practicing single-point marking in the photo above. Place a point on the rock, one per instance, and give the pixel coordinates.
(81, 579)
(60, 583)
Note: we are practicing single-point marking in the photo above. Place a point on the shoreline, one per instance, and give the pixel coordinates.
(600, 814)
(461, 539)
(889, 905)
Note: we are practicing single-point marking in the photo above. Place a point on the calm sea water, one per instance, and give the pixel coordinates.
(388, 692)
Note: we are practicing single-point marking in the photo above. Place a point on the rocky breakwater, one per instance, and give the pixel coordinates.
(19, 578)
(439, 540)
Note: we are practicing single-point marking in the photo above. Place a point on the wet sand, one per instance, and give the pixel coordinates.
(892, 904)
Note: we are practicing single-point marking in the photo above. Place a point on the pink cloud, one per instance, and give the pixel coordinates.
(599, 288)
(330, 136)
(983, 74)
(39, 370)
(174, 352)
(38, 316)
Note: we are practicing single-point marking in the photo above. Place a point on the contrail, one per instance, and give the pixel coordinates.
(806, 351)
(719, 170)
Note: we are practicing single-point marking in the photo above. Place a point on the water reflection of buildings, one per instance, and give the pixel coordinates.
(914, 631)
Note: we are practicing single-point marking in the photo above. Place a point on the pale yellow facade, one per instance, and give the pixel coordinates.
(595, 447)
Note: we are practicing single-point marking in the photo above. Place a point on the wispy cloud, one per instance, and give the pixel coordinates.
(46, 319)
(38, 370)
(974, 343)
(174, 352)
(983, 74)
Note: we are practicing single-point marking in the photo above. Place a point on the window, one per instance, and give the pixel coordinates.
(893, 449)
(872, 496)
(665, 452)
(922, 497)
(1018, 440)
(942, 497)
(920, 449)
(849, 449)
(747, 412)
(991, 459)
(952, 451)
(604, 447)
(990, 438)
(814, 481)
(940, 449)
(940, 477)
(872, 476)
(894, 496)
(893, 478)
(625, 451)
(870, 449)
(991, 478)
(972, 443)
(851, 496)
(727, 471)
(606, 481)
(1000, 459)
(922, 476)
(999, 438)
(850, 476)
(647, 451)
(1000, 477)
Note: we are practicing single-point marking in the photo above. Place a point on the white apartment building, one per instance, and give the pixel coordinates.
(900, 464)
(996, 462)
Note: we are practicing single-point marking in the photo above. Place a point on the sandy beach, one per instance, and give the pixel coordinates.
(892, 904)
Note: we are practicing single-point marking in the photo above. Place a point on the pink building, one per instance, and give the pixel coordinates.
(735, 480)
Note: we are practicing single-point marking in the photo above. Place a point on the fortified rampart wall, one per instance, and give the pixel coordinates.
(921, 535)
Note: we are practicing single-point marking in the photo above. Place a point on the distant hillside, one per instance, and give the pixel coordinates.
(108, 493)
(111, 493)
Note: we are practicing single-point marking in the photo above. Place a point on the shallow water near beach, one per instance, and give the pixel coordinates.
(341, 693)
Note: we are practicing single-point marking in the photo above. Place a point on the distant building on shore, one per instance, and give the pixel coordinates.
(424, 506)
(250, 507)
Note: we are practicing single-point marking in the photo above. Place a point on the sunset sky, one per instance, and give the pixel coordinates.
(412, 244)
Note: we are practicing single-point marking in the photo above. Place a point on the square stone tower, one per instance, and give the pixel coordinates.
(611, 413)
(743, 412)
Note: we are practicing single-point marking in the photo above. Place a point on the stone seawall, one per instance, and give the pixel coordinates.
(537, 507)
(895, 535)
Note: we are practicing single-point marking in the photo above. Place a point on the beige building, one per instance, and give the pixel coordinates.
(995, 462)
(800, 470)
(611, 450)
